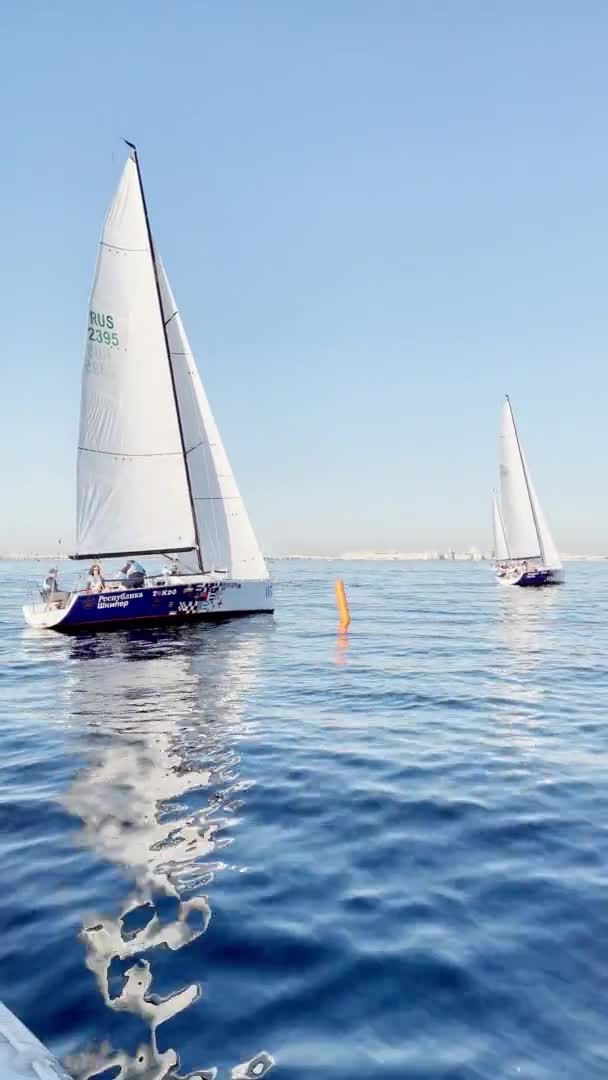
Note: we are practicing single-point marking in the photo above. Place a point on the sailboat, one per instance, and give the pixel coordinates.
(153, 477)
(524, 549)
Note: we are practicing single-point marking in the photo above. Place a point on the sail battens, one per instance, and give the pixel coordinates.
(116, 247)
(127, 453)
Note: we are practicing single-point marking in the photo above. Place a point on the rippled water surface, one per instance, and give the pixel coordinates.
(260, 846)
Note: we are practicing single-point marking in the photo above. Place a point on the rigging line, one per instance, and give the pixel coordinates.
(502, 525)
(169, 320)
(203, 442)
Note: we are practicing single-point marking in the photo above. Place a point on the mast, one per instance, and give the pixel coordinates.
(133, 150)
(525, 472)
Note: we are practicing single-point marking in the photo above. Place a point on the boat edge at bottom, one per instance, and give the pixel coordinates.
(161, 620)
(539, 579)
(20, 1050)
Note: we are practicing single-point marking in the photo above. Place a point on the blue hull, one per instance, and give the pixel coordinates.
(161, 604)
(538, 578)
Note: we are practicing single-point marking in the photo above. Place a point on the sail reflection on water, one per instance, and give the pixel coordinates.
(524, 628)
(525, 634)
(161, 715)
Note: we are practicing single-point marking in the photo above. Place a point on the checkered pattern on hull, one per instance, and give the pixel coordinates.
(188, 607)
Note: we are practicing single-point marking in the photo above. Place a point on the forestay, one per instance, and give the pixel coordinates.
(132, 485)
(226, 536)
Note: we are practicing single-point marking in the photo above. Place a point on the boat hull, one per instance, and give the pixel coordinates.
(153, 604)
(22, 1056)
(533, 579)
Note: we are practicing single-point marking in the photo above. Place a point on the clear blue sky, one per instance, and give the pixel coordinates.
(377, 218)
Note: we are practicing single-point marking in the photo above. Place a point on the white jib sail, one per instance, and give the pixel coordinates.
(226, 536)
(501, 550)
(551, 557)
(526, 530)
(132, 487)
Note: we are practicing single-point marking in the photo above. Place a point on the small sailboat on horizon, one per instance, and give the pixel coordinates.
(153, 476)
(524, 550)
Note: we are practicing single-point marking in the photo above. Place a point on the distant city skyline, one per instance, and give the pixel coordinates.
(453, 555)
(377, 221)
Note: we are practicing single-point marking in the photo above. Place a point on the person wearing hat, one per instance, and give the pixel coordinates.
(134, 575)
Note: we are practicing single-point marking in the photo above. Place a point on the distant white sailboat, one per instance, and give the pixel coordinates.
(524, 549)
(153, 475)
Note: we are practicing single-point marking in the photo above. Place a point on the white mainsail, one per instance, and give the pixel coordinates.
(526, 531)
(132, 490)
(518, 518)
(226, 536)
(501, 550)
(153, 474)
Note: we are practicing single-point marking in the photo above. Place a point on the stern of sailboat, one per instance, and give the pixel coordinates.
(49, 614)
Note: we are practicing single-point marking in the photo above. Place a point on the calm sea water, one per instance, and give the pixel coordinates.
(261, 847)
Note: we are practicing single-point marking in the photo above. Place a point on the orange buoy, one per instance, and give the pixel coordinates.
(342, 605)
